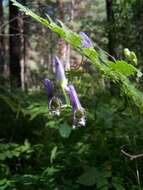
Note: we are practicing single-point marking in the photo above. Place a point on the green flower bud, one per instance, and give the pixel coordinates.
(130, 56)
(133, 58)
(127, 53)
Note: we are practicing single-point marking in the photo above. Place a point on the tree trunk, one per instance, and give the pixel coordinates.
(111, 40)
(2, 43)
(14, 47)
(24, 52)
(110, 20)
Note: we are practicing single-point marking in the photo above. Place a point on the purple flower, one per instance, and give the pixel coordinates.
(86, 41)
(55, 106)
(60, 73)
(54, 103)
(74, 98)
(49, 89)
(78, 110)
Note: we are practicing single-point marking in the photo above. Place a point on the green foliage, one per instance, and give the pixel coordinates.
(53, 154)
(125, 68)
(38, 152)
(101, 178)
(56, 157)
(94, 176)
(74, 39)
(10, 150)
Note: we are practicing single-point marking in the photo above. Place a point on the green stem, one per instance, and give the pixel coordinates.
(65, 95)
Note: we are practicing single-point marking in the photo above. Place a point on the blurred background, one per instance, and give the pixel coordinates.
(39, 152)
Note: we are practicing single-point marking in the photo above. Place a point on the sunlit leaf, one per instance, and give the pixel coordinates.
(65, 130)
(53, 154)
(124, 68)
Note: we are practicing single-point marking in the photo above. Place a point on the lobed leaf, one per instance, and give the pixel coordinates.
(116, 71)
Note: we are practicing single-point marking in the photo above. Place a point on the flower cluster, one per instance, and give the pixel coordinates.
(54, 103)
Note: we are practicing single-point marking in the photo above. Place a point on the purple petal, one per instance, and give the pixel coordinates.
(74, 98)
(78, 110)
(59, 69)
(49, 89)
(86, 41)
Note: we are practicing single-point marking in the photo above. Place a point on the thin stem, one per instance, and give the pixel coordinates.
(131, 157)
(138, 175)
(65, 95)
(136, 164)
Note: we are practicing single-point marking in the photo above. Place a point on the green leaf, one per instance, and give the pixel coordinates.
(3, 181)
(11, 103)
(71, 36)
(93, 176)
(65, 130)
(91, 53)
(2, 156)
(49, 171)
(124, 68)
(14, 150)
(118, 186)
(88, 178)
(102, 183)
(52, 124)
(57, 29)
(117, 72)
(117, 183)
(53, 154)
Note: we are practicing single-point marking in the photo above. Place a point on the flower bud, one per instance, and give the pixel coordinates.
(86, 41)
(54, 103)
(78, 110)
(49, 89)
(60, 73)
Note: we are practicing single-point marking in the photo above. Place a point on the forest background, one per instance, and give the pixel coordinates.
(41, 152)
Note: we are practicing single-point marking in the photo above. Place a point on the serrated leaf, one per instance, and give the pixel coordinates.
(124, 68)
(90, 52)
(65, 130)
(71, 36)
(115, 72)
(55, 28)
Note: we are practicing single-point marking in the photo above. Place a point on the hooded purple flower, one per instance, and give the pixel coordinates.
(54, 103)
(49, 89)
(74, 98)
(86, 41)
(78, 110)
(60, 73)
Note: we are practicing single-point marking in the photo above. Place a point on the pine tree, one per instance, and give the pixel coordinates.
(110, 20)
(2, 43)
(14, 47)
